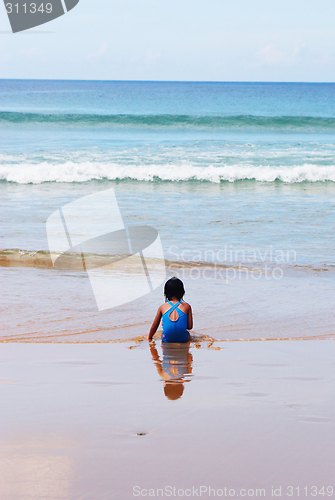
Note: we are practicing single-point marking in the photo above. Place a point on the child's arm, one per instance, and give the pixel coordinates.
(189, 318)
(155, 324)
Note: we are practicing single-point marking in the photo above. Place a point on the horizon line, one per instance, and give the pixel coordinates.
(166, 81)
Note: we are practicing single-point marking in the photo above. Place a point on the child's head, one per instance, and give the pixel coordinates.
(174, 288)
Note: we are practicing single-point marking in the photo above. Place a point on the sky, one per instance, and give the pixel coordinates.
(177, 40)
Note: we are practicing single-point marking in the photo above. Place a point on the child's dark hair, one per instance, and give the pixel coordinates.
(174, 287)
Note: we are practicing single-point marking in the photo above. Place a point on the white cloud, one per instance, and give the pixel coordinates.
(270, 54)
(33, 53)
(96, 55)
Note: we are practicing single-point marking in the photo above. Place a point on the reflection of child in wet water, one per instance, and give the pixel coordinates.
(176, 364)
(175, 313)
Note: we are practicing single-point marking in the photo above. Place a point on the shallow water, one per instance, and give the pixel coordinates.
(234, 177)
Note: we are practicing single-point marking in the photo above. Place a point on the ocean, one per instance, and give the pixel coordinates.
(237, 178)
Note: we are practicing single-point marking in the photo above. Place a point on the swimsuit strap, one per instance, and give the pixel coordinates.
(174, 306)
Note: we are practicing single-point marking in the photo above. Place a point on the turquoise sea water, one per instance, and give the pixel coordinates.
(253, 163)
(226, 172)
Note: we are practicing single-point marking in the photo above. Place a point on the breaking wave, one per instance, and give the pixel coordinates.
(68, 172)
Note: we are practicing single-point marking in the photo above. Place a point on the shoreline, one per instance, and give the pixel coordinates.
(196, 341)
(15, 257)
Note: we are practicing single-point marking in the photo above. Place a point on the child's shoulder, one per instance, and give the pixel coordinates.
(186, 306)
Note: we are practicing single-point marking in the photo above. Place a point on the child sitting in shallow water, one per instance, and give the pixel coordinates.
(176, 314)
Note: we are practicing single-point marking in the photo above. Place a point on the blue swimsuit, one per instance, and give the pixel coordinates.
(175, 331)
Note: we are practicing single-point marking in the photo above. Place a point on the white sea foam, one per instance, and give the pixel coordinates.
(68, 172)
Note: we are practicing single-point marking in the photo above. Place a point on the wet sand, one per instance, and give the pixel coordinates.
(95, 421)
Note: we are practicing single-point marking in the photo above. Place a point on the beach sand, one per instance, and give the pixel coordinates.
(93, 421)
